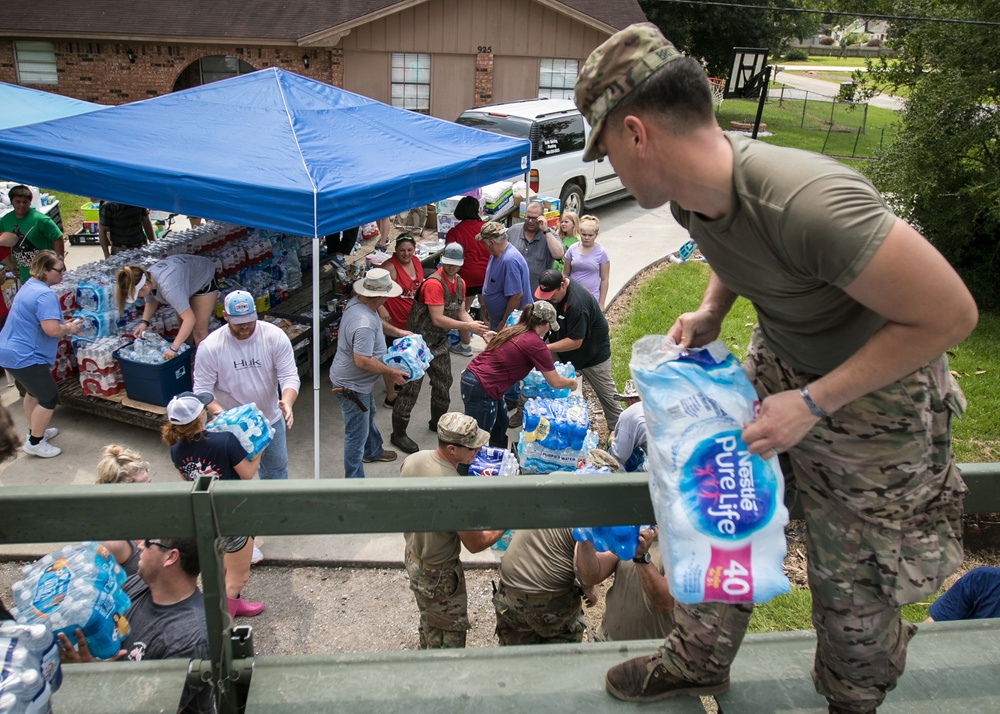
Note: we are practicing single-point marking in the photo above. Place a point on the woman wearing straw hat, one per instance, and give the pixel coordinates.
(357, 367)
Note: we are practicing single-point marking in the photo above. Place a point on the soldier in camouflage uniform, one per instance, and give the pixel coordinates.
(432, 559)
(539, 599)
(438, 306)
(855, 311)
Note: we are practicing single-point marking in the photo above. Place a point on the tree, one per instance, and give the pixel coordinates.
(710, 32)
(943, 171)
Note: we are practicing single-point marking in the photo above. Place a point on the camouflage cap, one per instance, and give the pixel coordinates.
(599, 458)
(614, 69)
(491, 231)
(457, 428)
(546, 311)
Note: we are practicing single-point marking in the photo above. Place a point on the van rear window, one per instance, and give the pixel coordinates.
(496, 124)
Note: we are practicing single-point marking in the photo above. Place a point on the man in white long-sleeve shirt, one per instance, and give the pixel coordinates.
(250, 361)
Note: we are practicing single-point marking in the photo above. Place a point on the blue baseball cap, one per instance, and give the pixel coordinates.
(240, 307)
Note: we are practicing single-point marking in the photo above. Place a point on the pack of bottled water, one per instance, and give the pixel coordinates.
(534, 384)
(37, 648)
(494, 461)
(78, 586)
(66, 294)
(247, 422)
(65, 365)
(453, 338)
(148, 349)
(23, 687)
(409, 354)
(98, 356)
(501, 545)
(555, 434)
(94, 325)
(512, 318)
(620, 540)
(720, 507)
(96, 294)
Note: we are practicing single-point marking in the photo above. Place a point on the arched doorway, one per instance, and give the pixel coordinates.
(211, 69)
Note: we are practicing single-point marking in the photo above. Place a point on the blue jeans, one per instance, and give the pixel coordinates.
(362, 439)
(490, 414)
(274, 461)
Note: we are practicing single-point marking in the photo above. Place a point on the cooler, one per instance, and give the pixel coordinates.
(156, 383)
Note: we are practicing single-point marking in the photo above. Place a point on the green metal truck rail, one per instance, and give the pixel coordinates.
(551, 678)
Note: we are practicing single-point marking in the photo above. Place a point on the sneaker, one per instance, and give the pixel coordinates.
(645, 679)
(257, 556)
(516, 418)
(386, 456)
(50, 433)
(42, 448)
(460, 349)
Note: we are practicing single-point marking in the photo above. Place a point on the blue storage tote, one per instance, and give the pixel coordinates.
(156, 383)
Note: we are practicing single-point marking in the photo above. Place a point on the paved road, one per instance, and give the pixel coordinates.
(634, 239)
(822, 90)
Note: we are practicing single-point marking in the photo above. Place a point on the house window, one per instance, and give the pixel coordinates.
(411, 81)
(556, 78)
(216, 67)
(36, 63)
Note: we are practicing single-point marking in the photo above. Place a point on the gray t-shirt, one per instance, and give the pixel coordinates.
(175, 631)
(801, 228)
(360, 333)
(178, 277)
(535, 252)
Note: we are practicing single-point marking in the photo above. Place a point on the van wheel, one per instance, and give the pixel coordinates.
(571, 198)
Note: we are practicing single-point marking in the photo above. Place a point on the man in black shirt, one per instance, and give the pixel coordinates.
(583, 335)
(122, 227)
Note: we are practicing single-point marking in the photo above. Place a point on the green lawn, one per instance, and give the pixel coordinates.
(833, 128)
(69, 209)
(792, 612)
(824, 62)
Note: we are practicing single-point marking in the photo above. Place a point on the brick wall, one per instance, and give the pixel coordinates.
(484, 79)
(101, 72)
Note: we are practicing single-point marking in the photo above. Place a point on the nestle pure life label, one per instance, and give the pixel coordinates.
(720, 506)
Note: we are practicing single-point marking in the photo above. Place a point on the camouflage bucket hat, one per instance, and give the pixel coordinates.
(614, 69)
(457, 428)
(599, 458)
(491, 231)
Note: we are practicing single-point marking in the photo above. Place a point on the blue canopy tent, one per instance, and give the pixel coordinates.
(269, 149)
(20, 106)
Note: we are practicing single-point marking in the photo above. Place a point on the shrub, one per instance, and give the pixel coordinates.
(874, 42)
(826, 40)
(796, 54)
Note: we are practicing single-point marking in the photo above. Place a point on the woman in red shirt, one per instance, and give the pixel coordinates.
(406, 270)
(473, 272)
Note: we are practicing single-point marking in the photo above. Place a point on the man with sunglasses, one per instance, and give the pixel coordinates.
(167, 616)
(432, 559)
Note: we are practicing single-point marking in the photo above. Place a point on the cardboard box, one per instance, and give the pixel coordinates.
(551, 205)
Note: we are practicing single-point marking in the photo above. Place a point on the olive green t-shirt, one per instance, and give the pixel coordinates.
(438, 546)
(801, 228)
(628, 613)
(539, 561)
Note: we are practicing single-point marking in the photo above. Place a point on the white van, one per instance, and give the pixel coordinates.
(558, 133)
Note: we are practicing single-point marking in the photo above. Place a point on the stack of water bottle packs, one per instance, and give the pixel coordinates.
(100, 373)
(247, 422)
(29, 668)
(409, 354)
(494, 461)
(555, 434)
(78, 586)
(65, 365)
(534, 385)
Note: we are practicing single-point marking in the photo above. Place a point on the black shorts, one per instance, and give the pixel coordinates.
(470, 290)
(213, 286)
(36, 380)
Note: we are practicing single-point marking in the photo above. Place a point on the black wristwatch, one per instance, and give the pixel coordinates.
(643, 559)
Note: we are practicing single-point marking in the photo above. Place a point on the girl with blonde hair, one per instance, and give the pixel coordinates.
(120, 464)
(587, 262)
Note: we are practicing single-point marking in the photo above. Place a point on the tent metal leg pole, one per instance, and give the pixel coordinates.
(315, 350)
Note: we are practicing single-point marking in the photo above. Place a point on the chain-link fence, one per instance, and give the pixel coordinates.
(812, 121)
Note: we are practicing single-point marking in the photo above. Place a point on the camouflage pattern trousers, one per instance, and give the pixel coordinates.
(442, 601)
(883, 506)
(529, 619)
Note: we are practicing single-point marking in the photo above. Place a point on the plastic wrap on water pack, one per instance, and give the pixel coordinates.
(77, 586)
(621, 540)
(721, 507)
(247, 422)
(409, 354)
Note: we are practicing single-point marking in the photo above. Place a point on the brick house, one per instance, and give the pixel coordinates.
(434, 56)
